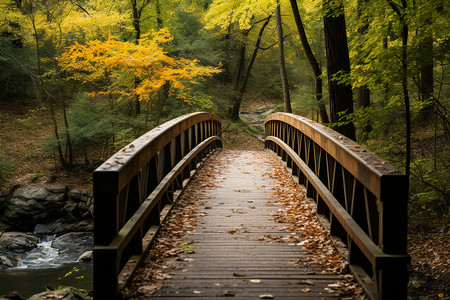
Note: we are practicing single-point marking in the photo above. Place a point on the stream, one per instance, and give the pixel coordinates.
(53, 263)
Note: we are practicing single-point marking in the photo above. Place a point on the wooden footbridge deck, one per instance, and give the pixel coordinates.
(357, 196)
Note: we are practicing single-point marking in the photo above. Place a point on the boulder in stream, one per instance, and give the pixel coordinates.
(68, 293)
(86, 256)
(7, 262)
(17, 242)
(74, 241)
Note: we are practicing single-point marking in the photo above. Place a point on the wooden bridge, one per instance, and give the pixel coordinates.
(357, 196)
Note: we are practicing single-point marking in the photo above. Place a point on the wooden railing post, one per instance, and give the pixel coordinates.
(393, 278)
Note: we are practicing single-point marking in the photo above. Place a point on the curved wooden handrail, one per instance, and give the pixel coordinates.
(351, 185)
(134, 191)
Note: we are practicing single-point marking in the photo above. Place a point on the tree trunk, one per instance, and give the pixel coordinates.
(338, 64)
(159, 20)
(136, 21)
(238, 98)
(401, 13)
(312, 61)
(137, 36)
(406, 97)
(363, 92)
(282, 62)
(241, 63)
(49, 100)
(69, 149)
(426, 76)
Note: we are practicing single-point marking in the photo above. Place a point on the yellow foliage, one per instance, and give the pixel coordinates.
(222, 13)
(126, 69)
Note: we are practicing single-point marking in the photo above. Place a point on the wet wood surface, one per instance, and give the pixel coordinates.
(231, 258)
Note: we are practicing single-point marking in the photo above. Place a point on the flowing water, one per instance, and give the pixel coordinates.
(47, 266)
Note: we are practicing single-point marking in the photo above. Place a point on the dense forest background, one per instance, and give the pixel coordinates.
(81, 79)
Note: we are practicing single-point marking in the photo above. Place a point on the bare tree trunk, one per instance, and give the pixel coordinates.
(49, 100)
(137, 36)
(426, 75)
(159, 20)
(400, 11)
(238, 98)
(282, 62)
(312, 60)
(338, 63)
(241, 63)
(363, 92)
(69, 157)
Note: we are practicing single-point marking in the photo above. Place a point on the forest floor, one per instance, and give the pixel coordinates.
(25, 127)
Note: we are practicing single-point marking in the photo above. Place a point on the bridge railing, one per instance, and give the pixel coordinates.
(134, 191)
(362, 198)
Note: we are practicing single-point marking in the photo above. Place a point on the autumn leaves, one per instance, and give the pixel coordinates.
(123, 69)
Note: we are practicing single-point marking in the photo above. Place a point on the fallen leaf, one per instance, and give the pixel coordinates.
(306, 290)
(239, 275)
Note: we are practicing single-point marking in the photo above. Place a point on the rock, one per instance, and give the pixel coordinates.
(7, 262)
(6, 195)
(57, 189)
(33, 205)
(73, 241)
(48, 229)
(63, 226)
(71, 207)
(86, 256)
(68, 293)
(12, 296)
(74, 194)
(17, 242)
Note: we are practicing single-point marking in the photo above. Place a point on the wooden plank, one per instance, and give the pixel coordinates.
(235, 212)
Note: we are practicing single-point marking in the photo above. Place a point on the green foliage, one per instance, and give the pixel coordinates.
(7, 167)
(98, 127)
(304, 103)
(191, 39)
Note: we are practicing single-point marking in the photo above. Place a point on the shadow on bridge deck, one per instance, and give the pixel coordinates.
(241, 249)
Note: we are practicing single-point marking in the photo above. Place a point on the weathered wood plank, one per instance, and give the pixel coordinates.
(236, 254)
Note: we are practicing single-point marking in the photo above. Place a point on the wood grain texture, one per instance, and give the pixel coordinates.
(231, 258)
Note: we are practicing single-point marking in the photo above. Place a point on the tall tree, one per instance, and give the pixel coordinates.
(338, 67)
(401, 13)
(312, 60)
(281, 60)
(363, 92)
(240, 15)
(237, 99)
(137, 9)
(426, 62)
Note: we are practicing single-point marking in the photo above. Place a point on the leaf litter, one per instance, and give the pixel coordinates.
(295, 211)
(308, 232)
(169, 242)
